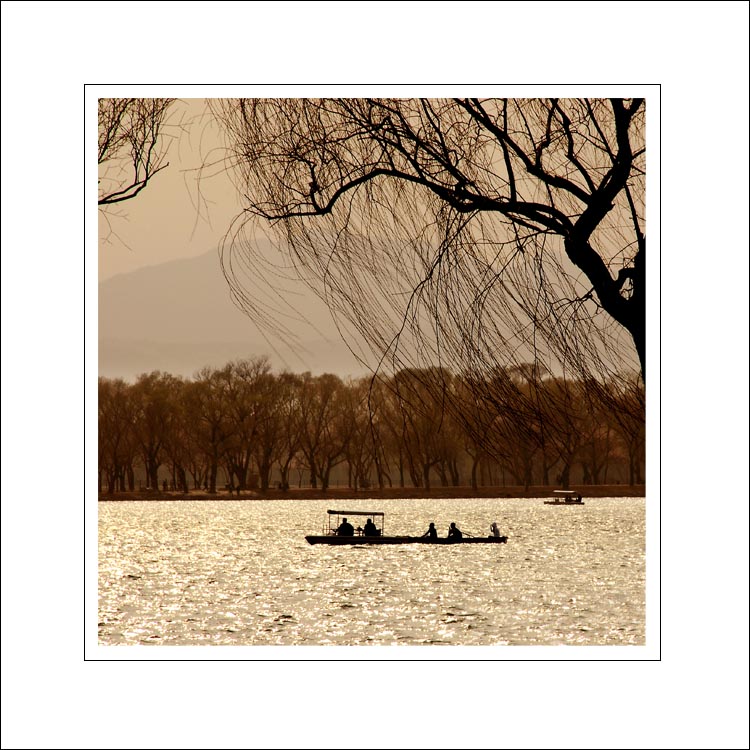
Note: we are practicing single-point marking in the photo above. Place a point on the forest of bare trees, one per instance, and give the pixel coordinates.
(246, 427)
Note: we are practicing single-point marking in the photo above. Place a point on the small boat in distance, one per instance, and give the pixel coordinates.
(359, 535)
(565, 497)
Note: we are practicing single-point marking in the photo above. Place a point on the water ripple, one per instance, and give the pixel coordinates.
(241, 573)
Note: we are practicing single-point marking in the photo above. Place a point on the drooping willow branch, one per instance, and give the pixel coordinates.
(131, 147)
(475, 237)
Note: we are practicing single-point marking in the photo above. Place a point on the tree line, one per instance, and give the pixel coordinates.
(244, 426)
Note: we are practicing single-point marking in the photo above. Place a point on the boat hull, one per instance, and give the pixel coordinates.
(323, 539)
(562, 502)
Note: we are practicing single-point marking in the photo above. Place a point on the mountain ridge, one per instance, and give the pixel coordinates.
(178, 317)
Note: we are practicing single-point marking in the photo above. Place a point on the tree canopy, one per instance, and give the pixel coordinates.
(244, 426)
(470, 233)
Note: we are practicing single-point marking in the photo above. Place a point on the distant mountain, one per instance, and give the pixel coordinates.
(179, 316)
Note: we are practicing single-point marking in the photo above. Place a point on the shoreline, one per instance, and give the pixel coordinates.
(389, 493)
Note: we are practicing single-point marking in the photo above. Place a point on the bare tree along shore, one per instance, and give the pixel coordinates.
(245, 428)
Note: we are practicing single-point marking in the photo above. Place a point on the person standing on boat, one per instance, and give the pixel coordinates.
(454, 532)
(431, 532)
(346, 529)
(370, 528)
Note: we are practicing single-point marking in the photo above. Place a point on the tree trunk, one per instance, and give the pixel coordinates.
(565, 476)
(152, 472)
(313, 470)
(440, 468)
(586, 473)
(426, 475)
(264, 470)
(455, 476)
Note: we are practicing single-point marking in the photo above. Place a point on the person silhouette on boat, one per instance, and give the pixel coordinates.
(454, 532)
(494, 529)
(370, 528)
(431, 532)
(346, 529)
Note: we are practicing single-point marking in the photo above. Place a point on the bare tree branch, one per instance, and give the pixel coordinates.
(131, 146)
(467, 236)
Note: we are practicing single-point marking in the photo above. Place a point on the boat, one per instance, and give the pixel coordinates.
(359, 537)
(565, 497)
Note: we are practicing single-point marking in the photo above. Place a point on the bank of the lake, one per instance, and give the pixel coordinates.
(388, 493)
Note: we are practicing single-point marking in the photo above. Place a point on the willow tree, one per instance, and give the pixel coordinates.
(477, 235)
(132, 147)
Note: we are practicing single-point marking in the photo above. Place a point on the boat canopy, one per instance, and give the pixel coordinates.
(356, 513)
(566, 493)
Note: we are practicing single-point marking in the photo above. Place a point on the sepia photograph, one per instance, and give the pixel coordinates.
(327, 421)
(401, 400)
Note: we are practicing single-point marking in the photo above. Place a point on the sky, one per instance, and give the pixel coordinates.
(53, 694)
(184, 211)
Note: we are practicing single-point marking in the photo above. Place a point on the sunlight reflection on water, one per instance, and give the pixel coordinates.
(241, 572)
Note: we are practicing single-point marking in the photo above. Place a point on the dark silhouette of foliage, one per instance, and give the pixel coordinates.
(465, 235)
(244, 427)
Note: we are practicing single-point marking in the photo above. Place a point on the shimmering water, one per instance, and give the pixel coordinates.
(197, 572)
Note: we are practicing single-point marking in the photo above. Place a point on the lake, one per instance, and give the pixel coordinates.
(241, 573)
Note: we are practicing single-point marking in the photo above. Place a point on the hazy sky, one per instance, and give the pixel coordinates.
(176, 215)
(184, 212)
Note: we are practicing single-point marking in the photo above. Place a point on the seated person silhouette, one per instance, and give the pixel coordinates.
(494, 529)
(346, 529)
(454, 532)
(431, 532)
(370, 528)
